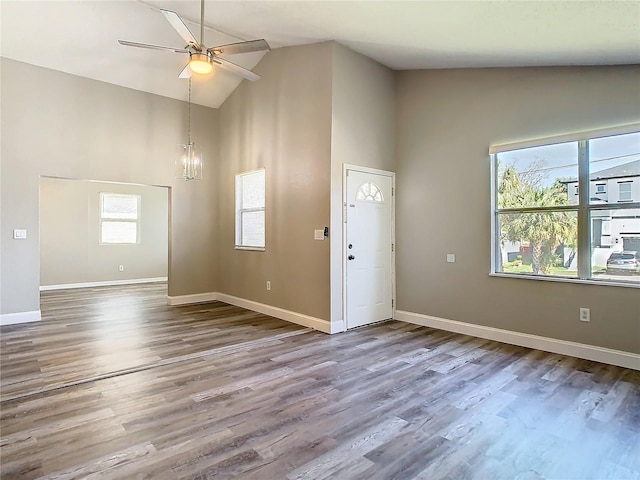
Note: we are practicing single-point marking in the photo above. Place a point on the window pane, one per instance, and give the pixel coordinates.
(252, 229)
(615, 244)
(614, 163)
(538, 177)
(119, 206)
(369, 192)
(253, 190)
(625, 192)
(250, 195)
(119, 232)
(541, 243)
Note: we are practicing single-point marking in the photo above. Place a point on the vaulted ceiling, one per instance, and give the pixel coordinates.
(80, 37)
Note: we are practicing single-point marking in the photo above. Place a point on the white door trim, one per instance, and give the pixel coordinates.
(375, 171)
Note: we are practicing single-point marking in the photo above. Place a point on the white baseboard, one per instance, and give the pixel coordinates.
(107, 283)
(287, 315)
(194, 298)
(20, 317)
(337, 327)
(573, 349)
(293, 317)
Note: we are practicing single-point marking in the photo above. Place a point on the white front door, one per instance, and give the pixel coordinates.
(368, 248)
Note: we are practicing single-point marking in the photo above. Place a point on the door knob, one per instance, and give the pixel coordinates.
(350, 257)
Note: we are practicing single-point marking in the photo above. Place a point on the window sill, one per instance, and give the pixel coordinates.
(608, 283)
(254, 249)
(106, 244)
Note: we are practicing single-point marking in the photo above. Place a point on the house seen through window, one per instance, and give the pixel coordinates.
(250, 210)
(119, 217)
(569, 209)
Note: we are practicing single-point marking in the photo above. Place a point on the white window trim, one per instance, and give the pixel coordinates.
(583, 208)
(569, 137)
(123, 220)
(239, 212)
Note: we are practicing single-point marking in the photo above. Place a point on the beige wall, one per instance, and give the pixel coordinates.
(363, 111)
(362, 133)
(70, 249)
(446, 121)
(282, 123)
(315, 108)
(60, 125)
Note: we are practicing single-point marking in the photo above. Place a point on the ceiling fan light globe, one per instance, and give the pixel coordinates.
(200, 63)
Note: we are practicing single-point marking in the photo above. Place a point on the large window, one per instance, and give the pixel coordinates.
(569, 209)
(119, 218)
(250, 210)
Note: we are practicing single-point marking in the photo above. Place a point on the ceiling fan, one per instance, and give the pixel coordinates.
(201, 58)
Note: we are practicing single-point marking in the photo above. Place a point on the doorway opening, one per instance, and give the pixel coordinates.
(95, 233)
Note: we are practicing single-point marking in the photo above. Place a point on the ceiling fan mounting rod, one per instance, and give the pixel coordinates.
(202, 22)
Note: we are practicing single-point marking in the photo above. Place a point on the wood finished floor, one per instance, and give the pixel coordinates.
(115, 384)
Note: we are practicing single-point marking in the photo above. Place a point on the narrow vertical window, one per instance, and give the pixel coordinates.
(119, 218)
(250, 210)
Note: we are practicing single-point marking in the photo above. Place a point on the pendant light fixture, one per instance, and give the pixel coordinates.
(189, 156)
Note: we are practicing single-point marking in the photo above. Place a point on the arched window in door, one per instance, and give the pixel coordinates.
(369, 192)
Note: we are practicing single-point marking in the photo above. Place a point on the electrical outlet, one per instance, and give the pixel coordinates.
(268, 285)
(585, 315)
(121, 268)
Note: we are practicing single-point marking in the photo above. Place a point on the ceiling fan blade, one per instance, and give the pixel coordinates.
(180, 27)
(186, 72)
(154, 47)
(237, 69)
(240, 47)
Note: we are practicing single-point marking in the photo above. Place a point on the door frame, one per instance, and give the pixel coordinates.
(375, 171)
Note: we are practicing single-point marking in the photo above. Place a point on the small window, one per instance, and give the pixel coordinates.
(624, 191)
(601, 188)
(369, 192)
(119, 218)
(250, 210)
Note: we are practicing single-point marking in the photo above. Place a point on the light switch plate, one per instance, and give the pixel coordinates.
(19, 234)
(451, 258)
(318, 234)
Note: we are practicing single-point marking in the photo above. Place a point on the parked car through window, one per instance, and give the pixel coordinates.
(624, 262)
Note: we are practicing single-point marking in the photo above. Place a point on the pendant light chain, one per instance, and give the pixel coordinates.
(189, 119)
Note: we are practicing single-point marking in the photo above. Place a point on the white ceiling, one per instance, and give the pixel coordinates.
(80, 37)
